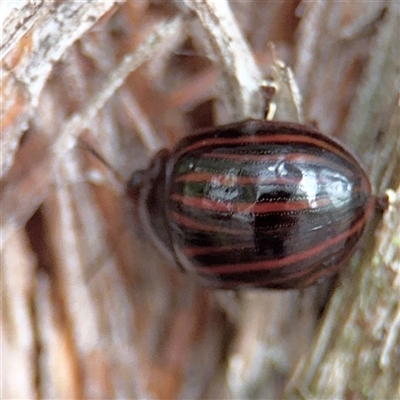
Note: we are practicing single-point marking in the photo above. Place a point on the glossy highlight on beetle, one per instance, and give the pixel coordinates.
(255, 204)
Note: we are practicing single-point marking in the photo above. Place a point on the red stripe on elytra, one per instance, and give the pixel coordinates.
(285, 261)
(237, 180)
(229, 180)
(309, 274)
(195, 225)
(314, 276)
(293, 159)
(266, 139)
(256, 208)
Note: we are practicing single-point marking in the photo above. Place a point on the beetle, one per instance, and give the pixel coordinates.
(256, 203)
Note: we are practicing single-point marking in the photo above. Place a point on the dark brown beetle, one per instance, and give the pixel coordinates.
(255, 204)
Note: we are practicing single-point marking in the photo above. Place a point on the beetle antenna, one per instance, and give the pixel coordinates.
(384, 201)
(86, 146)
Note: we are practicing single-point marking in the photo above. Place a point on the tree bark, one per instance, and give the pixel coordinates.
(89, 308)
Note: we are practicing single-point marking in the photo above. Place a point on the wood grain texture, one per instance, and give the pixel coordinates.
(35, 36)
(89, 308)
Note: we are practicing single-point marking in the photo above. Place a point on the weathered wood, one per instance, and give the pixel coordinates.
(89, 309)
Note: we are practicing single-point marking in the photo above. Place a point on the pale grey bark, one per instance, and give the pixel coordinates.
(89, 309)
